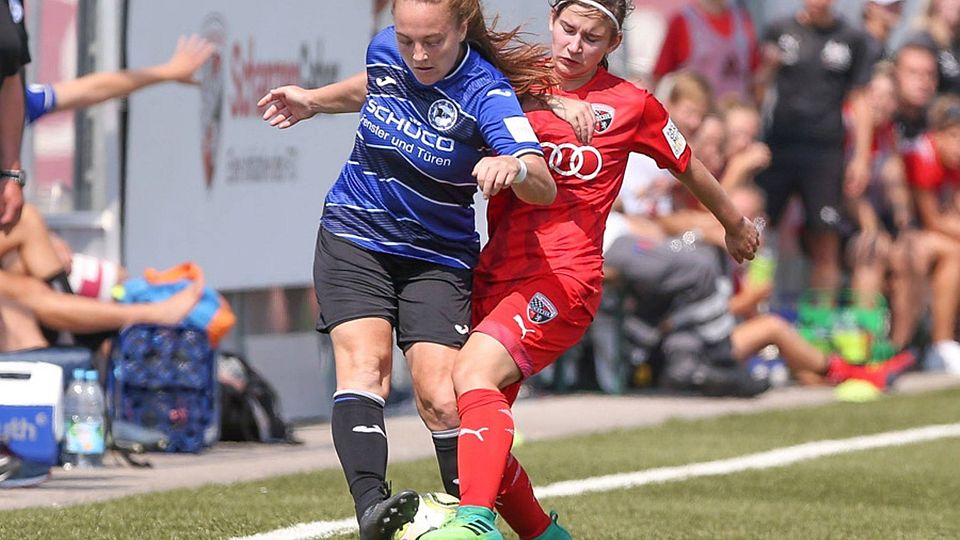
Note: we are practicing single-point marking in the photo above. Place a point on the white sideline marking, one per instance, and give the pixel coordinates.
(751, 462)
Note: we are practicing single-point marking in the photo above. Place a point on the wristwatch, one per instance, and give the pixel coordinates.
(17, 175)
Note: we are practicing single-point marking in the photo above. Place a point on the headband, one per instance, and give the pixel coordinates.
(557, 5)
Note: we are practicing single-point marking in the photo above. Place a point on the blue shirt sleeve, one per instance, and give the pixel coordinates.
(501, 120)
(40, 99)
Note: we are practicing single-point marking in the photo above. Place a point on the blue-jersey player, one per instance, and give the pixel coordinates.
(439, 118)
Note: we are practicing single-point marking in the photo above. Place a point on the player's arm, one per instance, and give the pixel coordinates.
(527, 175)
(928, 209)
(287, 105)
(742, 237)
(190, 55)
(11, 134)
(579, 114)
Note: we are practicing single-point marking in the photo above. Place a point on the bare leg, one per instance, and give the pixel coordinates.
(805, 361)
(85, 315)
(31, 238)
(945, 281)
(19, 329)
(906, 288)
(824, 247)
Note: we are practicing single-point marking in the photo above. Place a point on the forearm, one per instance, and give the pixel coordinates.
(99, 87)
(346, 96)
(863, 125)
(706, 188)
(538, 187)
(11, 122)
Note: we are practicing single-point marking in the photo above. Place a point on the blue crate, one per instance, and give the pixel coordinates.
(164, 378)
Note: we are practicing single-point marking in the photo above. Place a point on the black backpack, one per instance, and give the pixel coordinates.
(249, 407)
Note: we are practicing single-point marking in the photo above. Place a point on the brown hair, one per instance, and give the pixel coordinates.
(619, 8)
(525, 65)
(692, 86)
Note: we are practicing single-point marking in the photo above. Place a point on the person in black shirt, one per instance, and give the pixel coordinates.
(815, 62)
(941, 31)
(13, 56)
(880, 18)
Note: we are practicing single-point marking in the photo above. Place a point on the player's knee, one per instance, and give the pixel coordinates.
(363, 373)
(439, 411)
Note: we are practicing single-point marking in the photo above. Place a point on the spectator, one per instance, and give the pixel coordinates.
(14, 54)
(940, 30)
(745, 155)
(816, 61)
(916, 78)
(647, 189)
(716, 39)
(880, 18)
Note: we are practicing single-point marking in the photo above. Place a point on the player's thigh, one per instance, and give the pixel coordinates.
(433, 304)
(351, 283)
(539, 319)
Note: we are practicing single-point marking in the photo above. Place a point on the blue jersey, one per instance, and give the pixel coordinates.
(39, 100)
(407, 188)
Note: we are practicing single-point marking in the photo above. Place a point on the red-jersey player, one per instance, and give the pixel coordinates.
(538, 282)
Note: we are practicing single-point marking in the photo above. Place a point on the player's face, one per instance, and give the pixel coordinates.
(581, 38)
(429, 38)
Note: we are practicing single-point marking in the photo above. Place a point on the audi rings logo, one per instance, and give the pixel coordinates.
(584, 162)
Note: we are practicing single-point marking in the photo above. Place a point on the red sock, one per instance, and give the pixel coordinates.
(517, 504)
(486, 436)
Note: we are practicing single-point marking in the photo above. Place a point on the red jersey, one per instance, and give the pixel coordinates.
(926, 171)
(566, 237)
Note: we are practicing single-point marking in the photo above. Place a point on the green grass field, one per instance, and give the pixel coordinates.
(911, 491)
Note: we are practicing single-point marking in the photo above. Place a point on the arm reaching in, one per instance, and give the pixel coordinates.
(284, 107)
(190, 55)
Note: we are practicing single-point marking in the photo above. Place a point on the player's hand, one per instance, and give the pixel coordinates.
(579, 114)
(857, 177)
(285, 106)
(192, 52)
(743, 240)
(11, 203)
(493, 174)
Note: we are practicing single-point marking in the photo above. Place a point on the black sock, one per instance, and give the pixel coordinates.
(445, 442)
(60, 283)
(361, 442)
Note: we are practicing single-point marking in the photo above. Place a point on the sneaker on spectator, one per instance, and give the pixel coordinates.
(945, 355)
(27, 474)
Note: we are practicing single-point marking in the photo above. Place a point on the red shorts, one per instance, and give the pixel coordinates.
(537, 319)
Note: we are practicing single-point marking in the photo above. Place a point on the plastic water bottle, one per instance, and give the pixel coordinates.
(83, 413)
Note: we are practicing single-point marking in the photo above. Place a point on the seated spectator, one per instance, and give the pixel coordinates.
(915, 70)
(716, 39)
(30, 299)
(940, 30)
(647, 189)
(745, 155)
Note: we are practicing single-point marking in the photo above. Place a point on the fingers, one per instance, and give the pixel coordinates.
(272, 95)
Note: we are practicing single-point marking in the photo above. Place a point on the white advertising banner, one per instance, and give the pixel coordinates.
(206, 179)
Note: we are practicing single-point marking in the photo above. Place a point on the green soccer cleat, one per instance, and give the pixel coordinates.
(470, 523)
(554, 531)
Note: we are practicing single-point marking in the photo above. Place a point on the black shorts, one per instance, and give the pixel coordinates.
(813, 171)
(424, 301)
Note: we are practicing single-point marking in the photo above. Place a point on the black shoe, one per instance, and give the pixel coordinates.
(384, 518)
(730, 382)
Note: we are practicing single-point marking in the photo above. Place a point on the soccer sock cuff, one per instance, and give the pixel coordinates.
(445, 443)
(360, 439)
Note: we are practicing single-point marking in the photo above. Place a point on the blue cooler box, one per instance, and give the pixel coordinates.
(31, 410)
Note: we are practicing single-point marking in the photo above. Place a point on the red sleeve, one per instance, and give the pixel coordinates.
(675, 49)
(921, 172)
(658, 137)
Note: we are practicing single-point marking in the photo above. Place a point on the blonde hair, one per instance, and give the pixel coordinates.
(690, 86)
(524, 64)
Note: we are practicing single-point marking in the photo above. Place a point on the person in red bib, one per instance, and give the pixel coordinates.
(538, 281)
